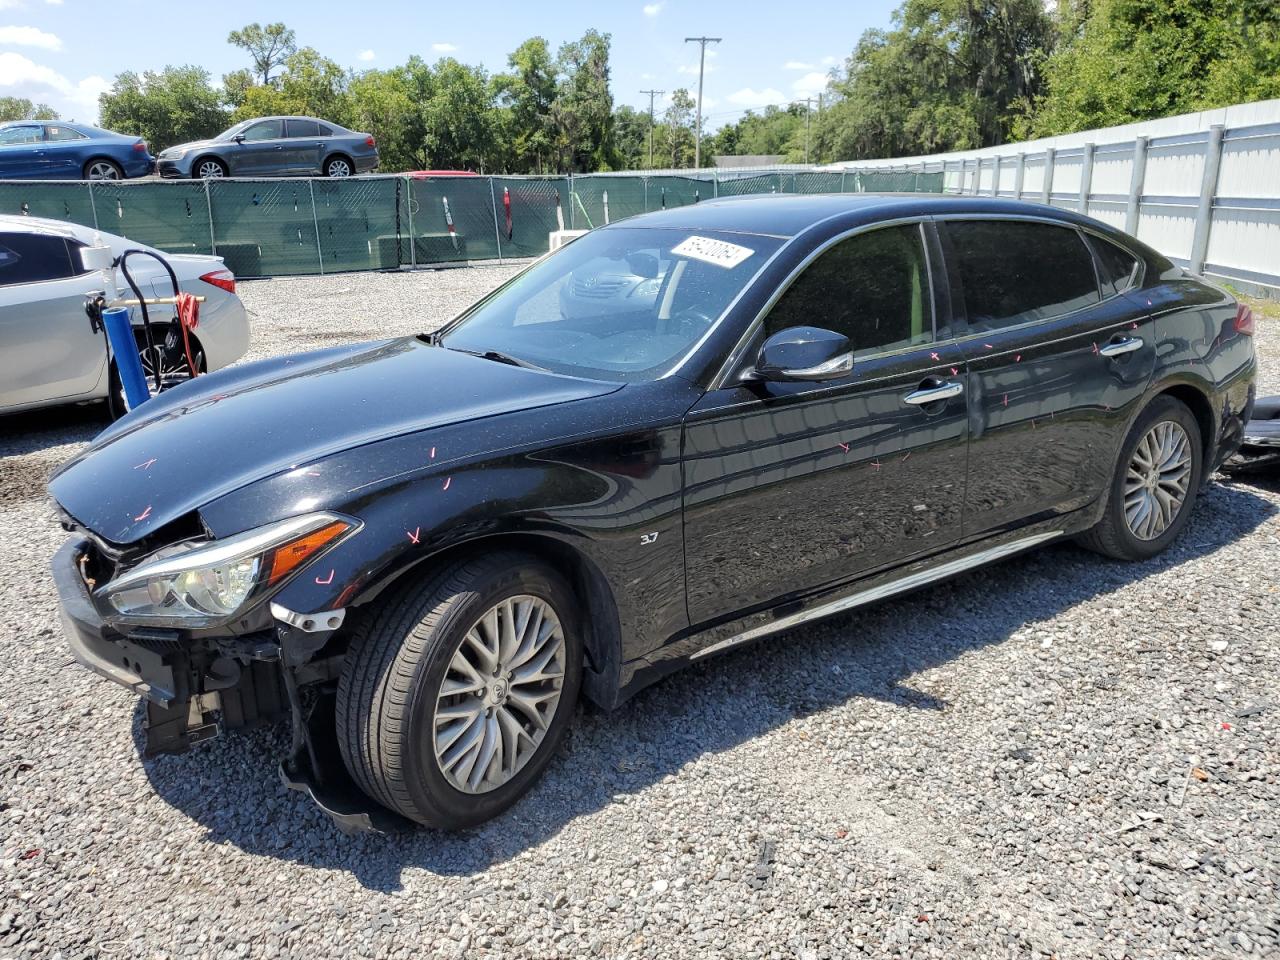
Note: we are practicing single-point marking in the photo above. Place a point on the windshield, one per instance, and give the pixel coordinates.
(623, 303)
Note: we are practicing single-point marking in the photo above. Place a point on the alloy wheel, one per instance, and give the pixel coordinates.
(209, 169)
(339, 168)
(102, 170)
(499, 694)
(1156, 482)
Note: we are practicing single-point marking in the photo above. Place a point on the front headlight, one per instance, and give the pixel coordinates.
(212, 584)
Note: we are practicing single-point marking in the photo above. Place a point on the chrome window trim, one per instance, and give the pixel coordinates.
(734, 357)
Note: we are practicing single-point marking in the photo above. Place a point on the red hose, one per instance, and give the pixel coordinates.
(188, 319)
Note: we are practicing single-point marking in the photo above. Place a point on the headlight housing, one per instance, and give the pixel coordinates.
(214, 583)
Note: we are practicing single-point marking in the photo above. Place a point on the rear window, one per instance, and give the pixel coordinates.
(303, 128)
(35, 257)
(1118, 267)
(1016, 272)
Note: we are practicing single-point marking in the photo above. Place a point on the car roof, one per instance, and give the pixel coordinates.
(788, 215)
(19, 224)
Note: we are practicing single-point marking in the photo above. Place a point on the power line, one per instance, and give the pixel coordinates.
(808, 108)
(651, 94)
(702, 63)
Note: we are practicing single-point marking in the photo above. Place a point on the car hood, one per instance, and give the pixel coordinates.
(193, 145)
(222, 431)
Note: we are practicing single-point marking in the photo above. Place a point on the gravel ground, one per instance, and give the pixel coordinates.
(1059, 756)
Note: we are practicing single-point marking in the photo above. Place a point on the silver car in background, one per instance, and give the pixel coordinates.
(49, 351)
(274, 147)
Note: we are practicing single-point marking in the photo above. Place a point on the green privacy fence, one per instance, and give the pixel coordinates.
(314, 226)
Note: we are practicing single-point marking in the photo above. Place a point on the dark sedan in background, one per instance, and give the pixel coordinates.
(56, 150)
(425, 549)
(274, 147)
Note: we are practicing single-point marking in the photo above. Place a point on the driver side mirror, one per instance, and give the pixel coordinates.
(238, 138)
(803, 354)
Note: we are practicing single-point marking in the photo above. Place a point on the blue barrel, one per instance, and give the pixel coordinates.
(125, 350)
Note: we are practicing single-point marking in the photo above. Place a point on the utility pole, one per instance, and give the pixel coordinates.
(651, 94)
(807, 101)
(702, 63)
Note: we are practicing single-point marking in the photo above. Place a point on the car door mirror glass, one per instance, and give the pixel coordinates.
(803, 354)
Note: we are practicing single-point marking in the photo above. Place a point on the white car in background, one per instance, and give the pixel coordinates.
(49, 351)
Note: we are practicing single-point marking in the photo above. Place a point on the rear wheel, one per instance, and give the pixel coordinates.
(103, 169)
(1155, 486)
(168, 356)
(455, 694)
(338, 167)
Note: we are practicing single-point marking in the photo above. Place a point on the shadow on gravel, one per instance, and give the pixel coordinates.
(230, 787)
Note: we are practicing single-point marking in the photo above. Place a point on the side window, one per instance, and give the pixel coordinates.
(303, 128)
(1118, 268)
(57, 132)
(324, 131)
(266, 130)
(33, 257)
(873, 288)
(12, 135)
(1013, 272)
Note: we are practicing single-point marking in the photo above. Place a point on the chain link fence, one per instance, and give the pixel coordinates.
(284, 227)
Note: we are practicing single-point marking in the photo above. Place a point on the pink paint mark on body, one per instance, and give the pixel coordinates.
(843, 446)
(145, 466)
(1095, 349)
(935, 356)
(988, 346)
(955, 371)
(875, 464)
(1017, 358)
(326, 582)
(143, 515)
(447, 481)
(433, 453)
(415, 535)
(1005, 401)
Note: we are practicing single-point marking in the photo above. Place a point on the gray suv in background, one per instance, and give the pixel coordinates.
(274, 147)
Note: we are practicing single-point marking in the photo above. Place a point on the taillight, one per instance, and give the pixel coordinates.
(1244, 320)
(223, 279)
(140, 146)
(370, 142)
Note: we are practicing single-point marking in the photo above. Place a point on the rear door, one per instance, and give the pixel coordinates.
(22, 153)
(64, 151)
(1056, 366)
(47, 348)
(792, 487)
(305, 147)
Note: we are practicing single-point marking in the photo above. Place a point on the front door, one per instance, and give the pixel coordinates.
(22, 153)
(1055, 363)
(262, 153)
(791, 487)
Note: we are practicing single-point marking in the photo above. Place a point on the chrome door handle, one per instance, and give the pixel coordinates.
(1118, 348)
(943, 391)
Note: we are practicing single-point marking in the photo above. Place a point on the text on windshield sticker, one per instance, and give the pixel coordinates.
(717, 252)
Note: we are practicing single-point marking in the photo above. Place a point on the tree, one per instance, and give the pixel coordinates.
(172, 106)
(310, 85)
(380, 103)
(583, 109)
(949, 75)
(675, 136)
(762, 134)
(269, 46)
(236, 86)
(20, 108)
(526, 95)
(631, 137)
(1141, 59)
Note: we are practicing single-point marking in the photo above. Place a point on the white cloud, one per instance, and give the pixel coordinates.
(747, 97)
(830, 61)
(20, 77)
(11, 4)
(653, 9)
(366, 55)
(797, 65)
(810, 85)
(29, 37)
(443, 47)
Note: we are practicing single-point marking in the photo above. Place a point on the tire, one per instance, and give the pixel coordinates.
(402, 653)
(1115, 534)
(100, 168)
(209, 168)
(169, 353)
(339, 166)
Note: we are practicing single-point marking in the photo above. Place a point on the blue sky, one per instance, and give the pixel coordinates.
(64, 52)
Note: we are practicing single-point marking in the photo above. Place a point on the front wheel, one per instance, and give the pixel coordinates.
(210, 168)
(1154, 489)
(454, 694)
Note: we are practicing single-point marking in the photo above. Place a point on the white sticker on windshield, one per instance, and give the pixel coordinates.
(718, 252)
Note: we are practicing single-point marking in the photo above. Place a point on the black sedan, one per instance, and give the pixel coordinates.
(427, 549)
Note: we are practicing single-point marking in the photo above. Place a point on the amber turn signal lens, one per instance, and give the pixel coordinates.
(289, 557)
